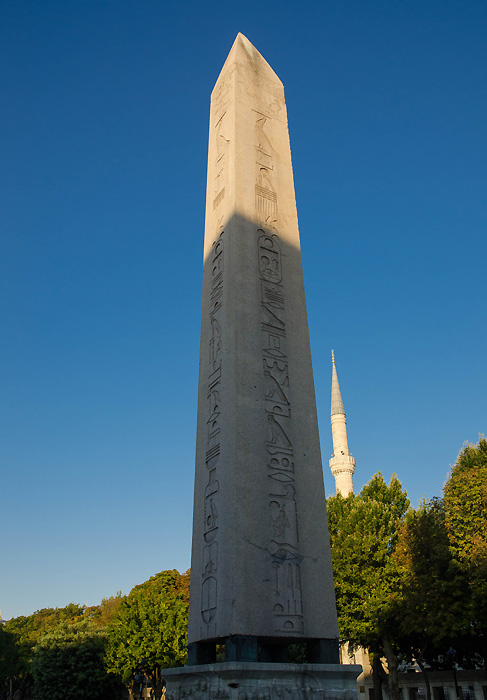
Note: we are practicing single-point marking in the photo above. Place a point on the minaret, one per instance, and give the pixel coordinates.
(342, 464)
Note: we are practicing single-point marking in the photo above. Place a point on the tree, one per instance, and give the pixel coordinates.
(465, 497)
(28, 630)
(433, 608)
(363, 535)
(68, 664)
(432, 587)
(442, 555)
(150, 630)
(465, 500)
(9, 662)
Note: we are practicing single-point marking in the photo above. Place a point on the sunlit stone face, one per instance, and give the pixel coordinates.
(261, 563)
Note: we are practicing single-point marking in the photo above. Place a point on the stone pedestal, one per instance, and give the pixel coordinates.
(262, 681)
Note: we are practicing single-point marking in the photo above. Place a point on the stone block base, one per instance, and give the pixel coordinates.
(262, 681)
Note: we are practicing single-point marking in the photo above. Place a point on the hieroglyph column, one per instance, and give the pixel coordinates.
(261, 567)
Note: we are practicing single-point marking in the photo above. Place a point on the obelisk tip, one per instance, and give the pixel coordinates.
(244, 52)
(242, 39)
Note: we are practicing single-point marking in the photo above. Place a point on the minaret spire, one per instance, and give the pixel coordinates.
(336, 397)
(342, 464)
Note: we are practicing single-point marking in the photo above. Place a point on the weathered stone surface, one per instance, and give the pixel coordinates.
(261, 565)
(246, 681)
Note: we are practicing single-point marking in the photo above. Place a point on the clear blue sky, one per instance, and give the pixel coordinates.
(104, 123)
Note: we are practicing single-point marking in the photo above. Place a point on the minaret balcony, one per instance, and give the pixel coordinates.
(342, 461)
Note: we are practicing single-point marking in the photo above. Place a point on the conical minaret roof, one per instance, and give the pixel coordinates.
(336, 397)
(342, 464)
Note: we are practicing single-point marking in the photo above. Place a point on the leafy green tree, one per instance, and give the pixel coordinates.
(465, 497)
(433, 608)
(150, 630)
(465, 500)
(27, 631)
(443, 562)
(433, 591)
(9, 662)
(364, 531)
(68, 664)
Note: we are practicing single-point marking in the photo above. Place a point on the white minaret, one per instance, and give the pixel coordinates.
(342, 464)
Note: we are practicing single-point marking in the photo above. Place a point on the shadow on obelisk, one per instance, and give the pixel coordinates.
(261, 573)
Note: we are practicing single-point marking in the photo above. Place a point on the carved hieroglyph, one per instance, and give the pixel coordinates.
(261, 561)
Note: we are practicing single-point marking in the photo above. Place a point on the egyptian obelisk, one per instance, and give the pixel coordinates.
(261, 568)
(261, 574)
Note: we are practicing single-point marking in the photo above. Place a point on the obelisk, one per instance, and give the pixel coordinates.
(261, 569)
(261, 574)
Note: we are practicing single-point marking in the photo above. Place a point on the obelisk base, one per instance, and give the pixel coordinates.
(262, 681)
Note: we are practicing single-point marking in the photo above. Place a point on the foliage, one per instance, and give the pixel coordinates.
(364, 531)
(465, 499)
(9, 661)
(28, 630)
(465, 496)
(101, 615)
(363, 535)
(150, 630)
(51, 643)
(434, 600)
(393, 497)
(443, 564)
(68, 664)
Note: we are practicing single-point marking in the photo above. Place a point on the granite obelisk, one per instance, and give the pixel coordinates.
(261, 574)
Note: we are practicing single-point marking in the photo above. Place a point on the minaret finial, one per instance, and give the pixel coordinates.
(333, 356)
